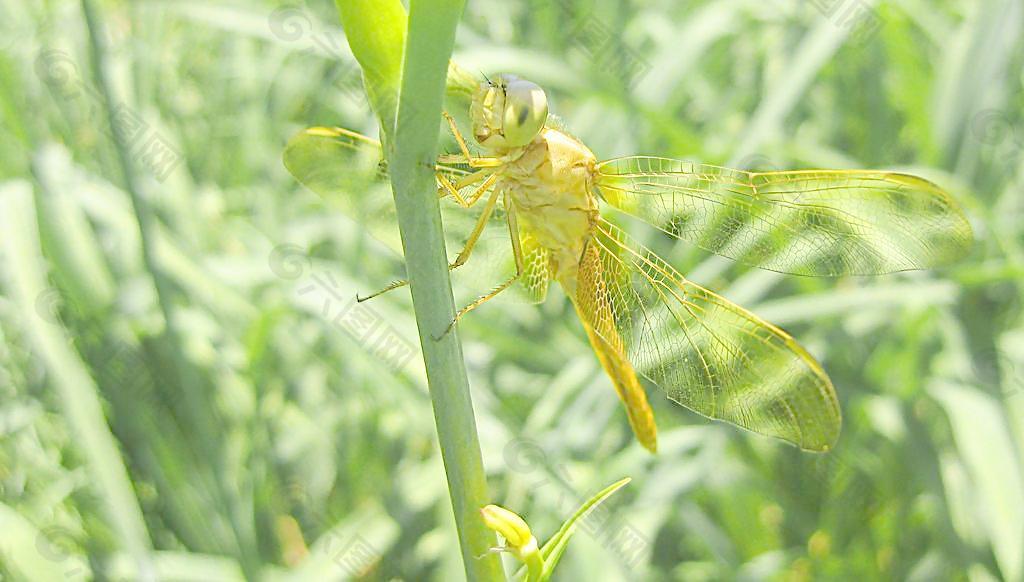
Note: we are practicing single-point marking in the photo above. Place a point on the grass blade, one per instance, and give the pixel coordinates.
(79, 397)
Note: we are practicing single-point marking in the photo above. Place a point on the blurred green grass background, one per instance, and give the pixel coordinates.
(199, 399)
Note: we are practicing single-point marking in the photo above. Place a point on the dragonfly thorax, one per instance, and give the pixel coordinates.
(551, 187)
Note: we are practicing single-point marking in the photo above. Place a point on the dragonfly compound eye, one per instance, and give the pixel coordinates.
(526, 112)
(508, 112)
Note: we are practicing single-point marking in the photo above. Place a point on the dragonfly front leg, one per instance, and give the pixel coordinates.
(517, 255)
(468, 158)
(463, 256)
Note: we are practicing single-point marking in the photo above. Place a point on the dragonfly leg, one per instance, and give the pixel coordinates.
(487, 176)
(394, 285)
(477, 162)
(517, 253)
(448, 188)
(473, 161)
(478, 229)
(463, 256)
(458, 136)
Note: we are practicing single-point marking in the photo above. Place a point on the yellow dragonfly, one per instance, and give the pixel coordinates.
(643, 317)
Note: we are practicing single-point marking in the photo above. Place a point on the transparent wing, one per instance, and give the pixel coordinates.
(823, 223)
(706, 353)
(314, 144)
(317, 144)
(537, 272)
(347, 169)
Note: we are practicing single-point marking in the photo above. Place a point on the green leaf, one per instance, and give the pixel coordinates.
(554, 548)
(376, 34)
(985, 445)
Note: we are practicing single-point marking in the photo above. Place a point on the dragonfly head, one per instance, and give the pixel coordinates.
(508, 112)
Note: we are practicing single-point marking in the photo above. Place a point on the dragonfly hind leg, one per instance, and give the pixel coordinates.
(397, 285)
(484, 299)
(463, 256)
(517, 254)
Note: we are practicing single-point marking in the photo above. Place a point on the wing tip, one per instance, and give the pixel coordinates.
(826, 441)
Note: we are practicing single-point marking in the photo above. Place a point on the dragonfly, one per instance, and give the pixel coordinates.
(642, 317)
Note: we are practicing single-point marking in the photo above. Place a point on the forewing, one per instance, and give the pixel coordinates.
(349, 171)
(705, 352)
(313, 155)
(823, 223)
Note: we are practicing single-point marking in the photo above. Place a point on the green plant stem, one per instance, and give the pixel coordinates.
(431, 35)
(188, 380)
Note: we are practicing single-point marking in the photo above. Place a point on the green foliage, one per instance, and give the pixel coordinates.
(320, 419)
(375, 31)
(553, 549)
